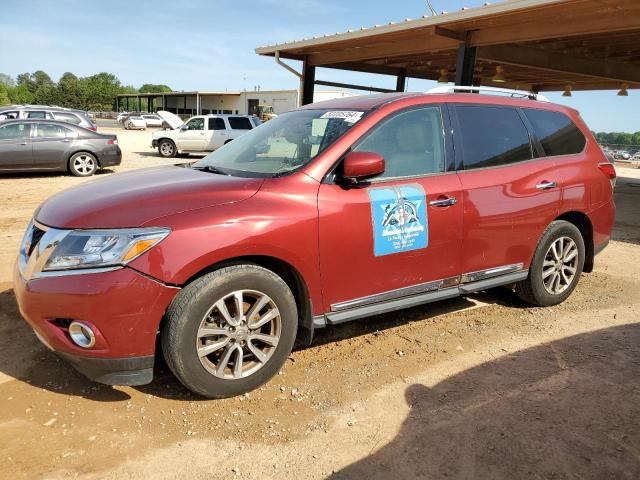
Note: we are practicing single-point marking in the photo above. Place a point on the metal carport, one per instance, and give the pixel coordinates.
(536, 45)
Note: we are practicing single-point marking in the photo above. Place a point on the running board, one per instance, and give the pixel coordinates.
(346, 315)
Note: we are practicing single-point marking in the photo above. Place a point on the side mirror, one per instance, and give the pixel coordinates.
(184, 128)
(361, 165)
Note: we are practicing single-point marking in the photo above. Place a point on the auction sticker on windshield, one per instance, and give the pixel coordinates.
(346, 115)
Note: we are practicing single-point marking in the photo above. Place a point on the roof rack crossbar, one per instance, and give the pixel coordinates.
(490, 91)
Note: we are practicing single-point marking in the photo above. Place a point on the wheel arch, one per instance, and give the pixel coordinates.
(291, 276)
(582, 223)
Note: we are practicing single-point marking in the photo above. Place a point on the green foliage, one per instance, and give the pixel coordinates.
(4, 95)
(152, 88)
(618, 138)
(96, 92)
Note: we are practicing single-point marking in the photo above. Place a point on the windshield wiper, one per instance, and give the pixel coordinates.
(212, 169)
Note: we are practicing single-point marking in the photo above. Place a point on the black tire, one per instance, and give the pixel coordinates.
(83, 164)
(533, 289)
(196, 302)
(167, 149)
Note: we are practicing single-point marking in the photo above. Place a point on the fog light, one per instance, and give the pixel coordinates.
(82, 335)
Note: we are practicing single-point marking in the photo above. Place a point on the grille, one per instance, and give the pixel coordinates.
(36, 236)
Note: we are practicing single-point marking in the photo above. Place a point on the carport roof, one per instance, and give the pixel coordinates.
(541, 45)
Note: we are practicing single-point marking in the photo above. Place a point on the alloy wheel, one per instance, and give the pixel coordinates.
(84, 164)
(238, 334)
(560, 265)
(166, 148)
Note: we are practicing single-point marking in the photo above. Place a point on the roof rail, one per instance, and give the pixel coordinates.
(489, 91)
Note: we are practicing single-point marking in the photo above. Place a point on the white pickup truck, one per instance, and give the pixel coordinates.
(203, 133)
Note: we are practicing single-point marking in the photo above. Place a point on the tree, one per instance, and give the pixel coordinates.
(6, 80)
(153, 88)
(20, 95)
(4, 95)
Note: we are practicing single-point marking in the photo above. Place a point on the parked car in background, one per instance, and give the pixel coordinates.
(621, 155)
(152, 120)
(334, 212)
(135, 122)
(124, 115)
(204, 133)
(44, 112)
(41, 145)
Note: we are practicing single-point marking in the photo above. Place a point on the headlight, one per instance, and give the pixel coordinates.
(102, 248)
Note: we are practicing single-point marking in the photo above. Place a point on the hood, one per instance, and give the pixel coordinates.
(134, 198)
(172, 120)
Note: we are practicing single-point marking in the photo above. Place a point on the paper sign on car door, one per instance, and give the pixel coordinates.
(399, 218)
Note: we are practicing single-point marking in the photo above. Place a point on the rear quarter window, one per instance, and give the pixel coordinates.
(67, 117)
(556, 132)
(492, 136)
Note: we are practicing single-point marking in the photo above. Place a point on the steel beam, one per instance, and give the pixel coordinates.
(308, 82)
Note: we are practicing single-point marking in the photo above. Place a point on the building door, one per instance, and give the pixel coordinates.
(252, 106)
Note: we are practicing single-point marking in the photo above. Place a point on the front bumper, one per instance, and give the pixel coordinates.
(122, 307)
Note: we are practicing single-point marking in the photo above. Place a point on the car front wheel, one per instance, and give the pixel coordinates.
(556, 266)
(83, 164)
(230, 331)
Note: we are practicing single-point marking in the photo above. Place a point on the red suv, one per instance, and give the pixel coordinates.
(333, 212)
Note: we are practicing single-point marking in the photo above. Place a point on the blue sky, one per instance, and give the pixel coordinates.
(209, 44)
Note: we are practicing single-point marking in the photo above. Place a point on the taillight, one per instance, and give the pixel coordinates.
(113, 141)
(93, 128)
(609, 170)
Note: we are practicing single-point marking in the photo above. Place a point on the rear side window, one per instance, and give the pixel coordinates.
(240, 123)
(15, 130)
(217, 124)
(492, 136)
(67, 117)
(50, 130)
(39, 115)
(556, 132)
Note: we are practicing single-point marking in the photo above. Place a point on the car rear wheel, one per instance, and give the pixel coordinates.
(556, 267)
(83, 164)
(167, 149)
(230, 331)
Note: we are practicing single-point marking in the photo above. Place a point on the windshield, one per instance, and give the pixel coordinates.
(281, 145)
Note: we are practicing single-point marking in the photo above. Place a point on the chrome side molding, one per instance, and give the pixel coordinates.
(490, 272)
(433, 286)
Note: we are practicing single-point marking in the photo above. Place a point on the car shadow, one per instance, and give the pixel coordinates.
(24, 358)
(561, 410)
(32, 175)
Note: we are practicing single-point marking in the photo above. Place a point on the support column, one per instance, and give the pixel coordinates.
(307, 83)
(184, 111)
(127, 104)
(401, 82)
(198, 106)
(465, 65)
(139, 104)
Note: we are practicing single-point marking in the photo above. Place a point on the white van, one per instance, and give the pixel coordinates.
(200, 134)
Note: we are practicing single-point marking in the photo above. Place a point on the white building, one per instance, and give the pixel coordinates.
(203, 102)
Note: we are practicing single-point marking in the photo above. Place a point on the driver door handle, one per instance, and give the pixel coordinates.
(546, 185)
(443, 202)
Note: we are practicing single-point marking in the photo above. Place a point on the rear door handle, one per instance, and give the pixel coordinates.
(546, 185)
(443, 202)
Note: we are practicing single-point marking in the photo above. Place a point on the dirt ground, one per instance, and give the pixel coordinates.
(480, 387)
